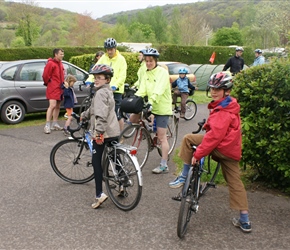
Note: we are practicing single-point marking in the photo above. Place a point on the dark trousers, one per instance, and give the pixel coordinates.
(97, 163)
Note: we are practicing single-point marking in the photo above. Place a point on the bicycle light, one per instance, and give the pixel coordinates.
(133, 152)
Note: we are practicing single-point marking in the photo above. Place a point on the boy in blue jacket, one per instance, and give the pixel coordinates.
(183, 89)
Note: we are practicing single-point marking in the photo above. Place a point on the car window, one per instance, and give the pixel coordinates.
(9, 74)
(174, 68)
(31, 72)
(70, 70)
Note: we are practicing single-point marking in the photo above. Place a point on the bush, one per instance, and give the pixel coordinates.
(264, 95)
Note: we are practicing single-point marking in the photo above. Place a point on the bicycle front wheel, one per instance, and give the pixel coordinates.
(123, 187)
(71, 160)
(172, 131)
(190, 110)
(137, 136)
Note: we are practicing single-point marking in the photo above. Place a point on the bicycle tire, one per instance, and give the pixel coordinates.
(127, 123)
(190, 110)
(139, 138)
(86, 103)
(189, 201)
(71, 160)
(127, 181)
(172, 132)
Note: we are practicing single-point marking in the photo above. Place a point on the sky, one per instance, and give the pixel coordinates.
(99, 8)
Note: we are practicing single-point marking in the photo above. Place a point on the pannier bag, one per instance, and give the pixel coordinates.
(132, 104)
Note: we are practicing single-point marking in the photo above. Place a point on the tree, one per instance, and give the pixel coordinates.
(227, 36)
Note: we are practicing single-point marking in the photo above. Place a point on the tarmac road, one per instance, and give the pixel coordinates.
(40, 211)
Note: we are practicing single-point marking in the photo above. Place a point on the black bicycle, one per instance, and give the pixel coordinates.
(193, 189)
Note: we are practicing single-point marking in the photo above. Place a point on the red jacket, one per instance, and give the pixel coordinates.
(53, 77)
(223, 130)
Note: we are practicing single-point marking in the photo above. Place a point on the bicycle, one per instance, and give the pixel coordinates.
(193, 189)
(139, 136)
(190, 108)
(86, 103)
(71, 160)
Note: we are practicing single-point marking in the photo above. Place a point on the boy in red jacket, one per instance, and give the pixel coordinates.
(223, 140)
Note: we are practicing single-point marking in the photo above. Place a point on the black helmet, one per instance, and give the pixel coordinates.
(102, 69)
(220, 80)
(259, 51)
(151, 52)
(110, 43)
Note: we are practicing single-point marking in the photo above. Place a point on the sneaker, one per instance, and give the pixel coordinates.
(57, 127)
(178, 182)
(66, 132)
(65, 116)
(182, 115)
(99, 201)
(47, 129)
(160, 170)
(244, 226)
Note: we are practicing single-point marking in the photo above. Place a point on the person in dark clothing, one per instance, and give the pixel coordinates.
(235, 63)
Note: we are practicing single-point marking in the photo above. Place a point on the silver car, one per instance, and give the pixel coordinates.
(22, 90)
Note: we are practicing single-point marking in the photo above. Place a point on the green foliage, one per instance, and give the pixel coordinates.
(227, 36)
(264, 95)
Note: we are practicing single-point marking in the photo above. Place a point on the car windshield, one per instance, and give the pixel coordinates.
(175, 67)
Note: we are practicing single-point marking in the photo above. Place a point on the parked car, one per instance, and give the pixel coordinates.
(22, 90)
(174, 67)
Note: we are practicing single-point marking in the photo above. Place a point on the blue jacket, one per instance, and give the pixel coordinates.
(183, 85)
(259, 60)
(68, 94)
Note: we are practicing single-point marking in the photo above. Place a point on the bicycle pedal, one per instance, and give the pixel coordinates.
(176, 198)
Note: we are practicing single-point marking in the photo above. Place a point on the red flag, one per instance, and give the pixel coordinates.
(212, 58)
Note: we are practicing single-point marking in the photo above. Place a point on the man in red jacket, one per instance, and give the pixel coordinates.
(223, 139)
(53, 77)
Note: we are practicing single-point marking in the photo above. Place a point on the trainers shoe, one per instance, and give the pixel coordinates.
(47, 130)
(57, 127)
(65, 116)
(244, 226)
(160, 170)
(99, 201)
(178, 182)
(66, 132)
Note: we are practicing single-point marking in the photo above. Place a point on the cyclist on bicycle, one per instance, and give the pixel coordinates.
(103, 123)
(155, 84)
(223, 141)
(183, 89)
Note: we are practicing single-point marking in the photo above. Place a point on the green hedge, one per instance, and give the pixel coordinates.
(264, 95)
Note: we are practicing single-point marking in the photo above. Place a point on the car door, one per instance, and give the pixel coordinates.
(29, 84)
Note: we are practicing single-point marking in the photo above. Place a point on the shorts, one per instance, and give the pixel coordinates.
(161, 121)
(69, 111)
(118, 100)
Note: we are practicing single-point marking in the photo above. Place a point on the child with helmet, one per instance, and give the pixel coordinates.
(223, 141)
(104, 124)
(184, 87)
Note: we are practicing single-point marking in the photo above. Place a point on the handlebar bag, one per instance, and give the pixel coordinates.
(132, 104)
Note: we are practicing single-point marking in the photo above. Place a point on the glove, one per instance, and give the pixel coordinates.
(114, 88)
(99, 138)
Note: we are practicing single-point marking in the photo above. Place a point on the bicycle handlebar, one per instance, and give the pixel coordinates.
(81, 124)
(200, 126)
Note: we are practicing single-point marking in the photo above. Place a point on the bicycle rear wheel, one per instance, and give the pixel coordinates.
(190, 110)
(172, 131)
(189, 201)
(137, 136)
(71, 160)
(124, 189)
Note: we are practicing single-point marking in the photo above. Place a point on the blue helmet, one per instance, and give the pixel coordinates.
(151, 52)
(142, 51)
(183, 71)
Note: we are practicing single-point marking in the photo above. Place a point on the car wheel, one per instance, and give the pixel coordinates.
(12, 112)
